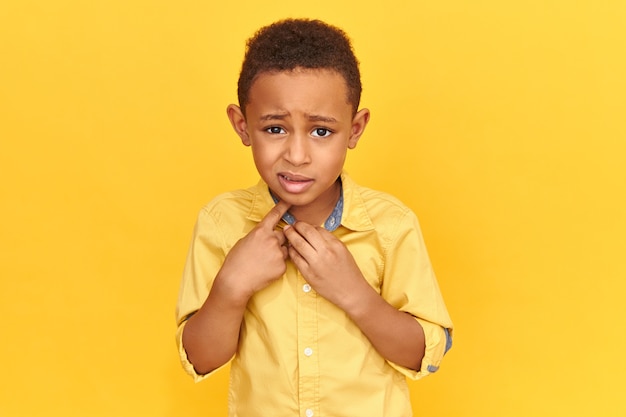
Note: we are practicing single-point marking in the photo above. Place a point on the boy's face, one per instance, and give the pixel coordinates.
(300, 126)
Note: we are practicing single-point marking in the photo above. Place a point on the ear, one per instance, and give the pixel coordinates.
(238, 121)
(359, 122)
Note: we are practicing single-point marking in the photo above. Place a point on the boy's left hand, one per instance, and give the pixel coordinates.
(325, 263)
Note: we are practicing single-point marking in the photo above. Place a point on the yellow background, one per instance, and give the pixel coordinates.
(501, 123)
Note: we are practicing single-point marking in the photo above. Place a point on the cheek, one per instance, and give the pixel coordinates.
(333, 159)
(262, 154)
(265, 159)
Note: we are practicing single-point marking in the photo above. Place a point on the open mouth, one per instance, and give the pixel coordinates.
(294, 183)
(294, 178)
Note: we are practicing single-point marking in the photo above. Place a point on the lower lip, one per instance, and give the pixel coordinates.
(294, 187)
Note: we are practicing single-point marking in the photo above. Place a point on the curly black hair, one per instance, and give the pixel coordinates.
(299, 43)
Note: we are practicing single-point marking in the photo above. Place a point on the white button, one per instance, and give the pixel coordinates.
(308, 351)
(309, 412)
(306, 288)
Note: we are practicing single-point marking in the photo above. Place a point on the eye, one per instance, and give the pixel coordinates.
(321, 132)
(275, 130)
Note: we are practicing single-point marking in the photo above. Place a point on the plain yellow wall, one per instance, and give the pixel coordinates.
(501, 123)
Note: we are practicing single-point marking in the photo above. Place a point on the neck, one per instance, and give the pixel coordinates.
(317, 212)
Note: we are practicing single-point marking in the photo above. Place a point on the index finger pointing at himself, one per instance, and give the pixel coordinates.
(273, 216)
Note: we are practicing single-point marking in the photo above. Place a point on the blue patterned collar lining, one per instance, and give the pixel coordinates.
(332, 222)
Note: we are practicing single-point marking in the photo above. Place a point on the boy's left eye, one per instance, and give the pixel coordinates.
(321, 132)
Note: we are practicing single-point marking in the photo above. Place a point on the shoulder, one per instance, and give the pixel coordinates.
(378, 212)
(230, 205)
(229, 200)
(370, 196)
(382, 206)
(224, 218)
(391, 217)
(374, 198)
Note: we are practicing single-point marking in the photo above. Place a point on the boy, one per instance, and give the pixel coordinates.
(315, 321)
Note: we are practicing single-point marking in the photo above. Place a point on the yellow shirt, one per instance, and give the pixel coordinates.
(300, 355)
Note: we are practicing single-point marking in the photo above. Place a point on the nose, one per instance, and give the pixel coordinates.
(297, 151)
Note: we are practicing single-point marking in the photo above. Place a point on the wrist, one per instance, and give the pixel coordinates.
(360, 301)
(230, 289)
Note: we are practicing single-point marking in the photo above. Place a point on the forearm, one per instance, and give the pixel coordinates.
(396, 335)
(211, 335)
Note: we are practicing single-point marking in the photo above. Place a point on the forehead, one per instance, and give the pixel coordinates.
(300, 90)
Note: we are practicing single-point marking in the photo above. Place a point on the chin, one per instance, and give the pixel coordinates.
(297, 200)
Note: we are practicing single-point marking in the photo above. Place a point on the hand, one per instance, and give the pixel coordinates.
(326, 264)
(258, 258)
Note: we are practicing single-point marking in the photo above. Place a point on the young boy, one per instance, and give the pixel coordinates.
(317, 291)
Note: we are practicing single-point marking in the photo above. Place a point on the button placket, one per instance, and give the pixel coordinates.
(308, 365)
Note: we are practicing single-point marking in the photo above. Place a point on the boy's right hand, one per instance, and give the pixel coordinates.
(257, 259)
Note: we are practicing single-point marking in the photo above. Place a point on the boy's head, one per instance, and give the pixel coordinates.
(299, 92)
(299, 43)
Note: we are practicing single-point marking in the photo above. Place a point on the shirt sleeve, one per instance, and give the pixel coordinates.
(410, 285)
(204, 259)
(184, 360)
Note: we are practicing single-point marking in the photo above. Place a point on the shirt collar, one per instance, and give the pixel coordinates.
(332, 222)
(350, 210)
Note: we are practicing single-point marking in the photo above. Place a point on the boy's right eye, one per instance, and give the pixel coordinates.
(275, 130)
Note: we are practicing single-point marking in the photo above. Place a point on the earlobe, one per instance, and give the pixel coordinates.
(238, 122)
(359, 122)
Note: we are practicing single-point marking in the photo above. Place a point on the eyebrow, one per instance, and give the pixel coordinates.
(310, 117)
(320, 118)
(273, 116)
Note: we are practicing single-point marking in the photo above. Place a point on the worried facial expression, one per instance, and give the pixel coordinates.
(300, 125)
